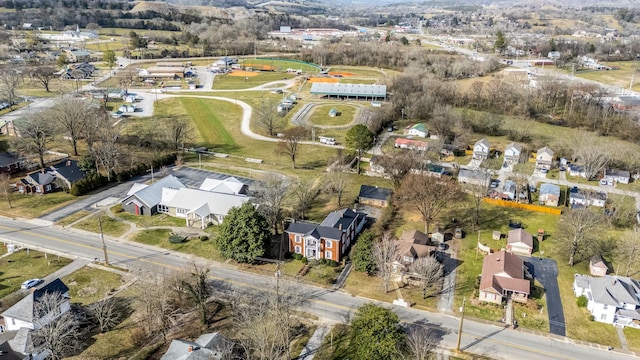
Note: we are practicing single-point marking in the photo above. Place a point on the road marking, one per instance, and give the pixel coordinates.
(317, 301)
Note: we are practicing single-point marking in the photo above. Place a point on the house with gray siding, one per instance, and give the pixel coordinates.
(143, 199)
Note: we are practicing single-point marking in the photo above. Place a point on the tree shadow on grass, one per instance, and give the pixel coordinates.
(311, 165)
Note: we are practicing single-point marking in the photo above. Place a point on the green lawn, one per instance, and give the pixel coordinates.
(320, 115)
(68, 220)
(110, 227)
(228, 82)
(335, 345)
(633, 338)
(357, 71)
(23, 265)
(33, 206)
(282, 64)
(620, 77)
(160, 237)
(89, 285)
(205, 115)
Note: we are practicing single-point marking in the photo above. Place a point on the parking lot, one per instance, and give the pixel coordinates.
(546, 272)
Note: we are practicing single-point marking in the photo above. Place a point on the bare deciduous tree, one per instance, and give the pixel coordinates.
(105, 312)
(430, 272)
(107, 150)
(479, 191)
(289, 144)
(272, 191)
(5, 187)
(179, 132)
(59, 330)
(304, 192)
(397, 164)
(155, 305)
(428, 195)
(384, 252)
(197, 289)
(44, 75)
(72, 114)
(588, 150)
(268, 119)
(442, 120)
(36, 133)
(627, 252)
(337, 181)
(580, 229)
(10, 79)
(421, 342)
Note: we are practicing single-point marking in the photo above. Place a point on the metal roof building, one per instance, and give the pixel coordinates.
(358, 91)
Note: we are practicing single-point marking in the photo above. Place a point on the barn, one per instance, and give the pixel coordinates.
(350, 91)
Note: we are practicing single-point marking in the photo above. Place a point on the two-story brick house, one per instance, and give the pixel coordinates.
(327, 240)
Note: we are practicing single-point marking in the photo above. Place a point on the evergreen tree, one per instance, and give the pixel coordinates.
(375, 333)
(244, 234)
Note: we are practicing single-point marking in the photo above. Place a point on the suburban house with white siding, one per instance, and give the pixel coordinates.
(512, 153)
(544, 158)
(611, 299)
(503, 278)
(481, 149)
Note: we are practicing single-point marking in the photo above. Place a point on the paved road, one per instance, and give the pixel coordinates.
(489, 340)
(449, 284)
(546, 271)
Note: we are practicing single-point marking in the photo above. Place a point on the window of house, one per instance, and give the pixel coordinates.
(181, 211)
(329, 244)
(327, 254)
(603, 317)
(298, 250)
(163, 209)
(605, 307)
(298, 238)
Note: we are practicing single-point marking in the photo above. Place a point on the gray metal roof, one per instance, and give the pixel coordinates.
(374, 192)
(349, 89)
(152, 194)
(552, 189)
(24, 309)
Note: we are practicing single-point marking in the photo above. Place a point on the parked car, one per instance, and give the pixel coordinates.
(31, 283)
(603, 182)
(562, 168)
(494, 184)
(544, 170)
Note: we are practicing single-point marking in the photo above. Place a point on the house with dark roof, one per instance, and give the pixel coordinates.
(616, 176)
(25, 314)
(583, 197)
(9, 162)
(611, 299)
(503, 277)
(67, 173)
(549, 194)
(143, 199)
(519, 242)
(40, 182)
(374, 196)
(328, 240)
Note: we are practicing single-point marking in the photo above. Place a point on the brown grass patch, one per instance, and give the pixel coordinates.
(322, 80)
(243, 73)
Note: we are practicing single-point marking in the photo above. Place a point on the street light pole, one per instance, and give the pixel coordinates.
(464, 301)
(104, 245)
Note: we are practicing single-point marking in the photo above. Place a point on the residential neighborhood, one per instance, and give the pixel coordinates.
(276, 180)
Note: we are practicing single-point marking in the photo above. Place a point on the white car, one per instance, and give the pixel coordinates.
(31, 283)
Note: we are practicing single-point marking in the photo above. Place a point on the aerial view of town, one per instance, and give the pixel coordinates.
(319, 179)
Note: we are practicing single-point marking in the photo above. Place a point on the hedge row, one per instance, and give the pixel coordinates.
(95, 180)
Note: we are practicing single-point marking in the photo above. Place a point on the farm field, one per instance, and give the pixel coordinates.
(247, 79)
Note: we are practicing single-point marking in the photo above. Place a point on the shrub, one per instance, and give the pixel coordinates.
(177, 239)
(304, 259)
(333, 263)
(582, 301)
(322, 261)
(297, 256)
(592, 318)
(204, 238)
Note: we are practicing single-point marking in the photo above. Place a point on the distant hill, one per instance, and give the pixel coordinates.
(237, 12)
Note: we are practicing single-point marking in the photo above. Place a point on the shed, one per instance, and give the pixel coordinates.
(597, 267)
(374, 196)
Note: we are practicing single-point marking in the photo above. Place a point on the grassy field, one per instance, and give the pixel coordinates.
(160, 237)
(68, 220)
(619, 77)
(320, 115)
(228, 82)
(110, 227)
(281, 64)
(33, 206)
(357, 71)
(23, 265)
(89, 285)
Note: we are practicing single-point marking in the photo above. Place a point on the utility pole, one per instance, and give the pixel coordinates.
(104, 245)
(464, 301)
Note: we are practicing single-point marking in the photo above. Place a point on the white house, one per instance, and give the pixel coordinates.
(582, 198)
(199, 207)
(481, 149)
(474, 177)
(209, 346)
(617, 176)
(519, 242)
(577, 171)
(512, 153)
(611, 299)
(544, 158)
(418, 130)
(25, 313)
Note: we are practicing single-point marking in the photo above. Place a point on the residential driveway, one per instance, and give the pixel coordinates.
(546, 272)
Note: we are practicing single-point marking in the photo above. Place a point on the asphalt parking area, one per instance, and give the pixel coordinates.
(546, 272)
(193, 178)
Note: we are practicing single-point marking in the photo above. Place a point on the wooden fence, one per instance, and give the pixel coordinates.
(530, 207)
